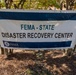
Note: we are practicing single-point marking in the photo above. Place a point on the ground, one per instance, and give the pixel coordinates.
(22, 62)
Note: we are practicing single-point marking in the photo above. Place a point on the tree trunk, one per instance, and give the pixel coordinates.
(8, 3)
(67, 4)
(71, 4)
(21, 3)
(61, 6)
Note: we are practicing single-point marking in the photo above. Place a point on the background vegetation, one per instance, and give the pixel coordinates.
(39, 4)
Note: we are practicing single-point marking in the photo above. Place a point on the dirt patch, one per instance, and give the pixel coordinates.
(25, 63)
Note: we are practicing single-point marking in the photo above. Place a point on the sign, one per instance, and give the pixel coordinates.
(34, 30)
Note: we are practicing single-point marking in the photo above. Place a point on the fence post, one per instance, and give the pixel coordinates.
(2, 50)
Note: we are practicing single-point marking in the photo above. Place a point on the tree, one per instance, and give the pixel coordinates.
(69, 4)
(21, 3)
(47, 3)
(8, 3)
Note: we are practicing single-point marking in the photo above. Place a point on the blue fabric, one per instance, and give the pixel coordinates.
(37, 16)
(37, 44)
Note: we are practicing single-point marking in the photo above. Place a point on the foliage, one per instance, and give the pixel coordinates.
(47, 3)
(37, 69)
(2, 4)
(55, 3)
(37, 4)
